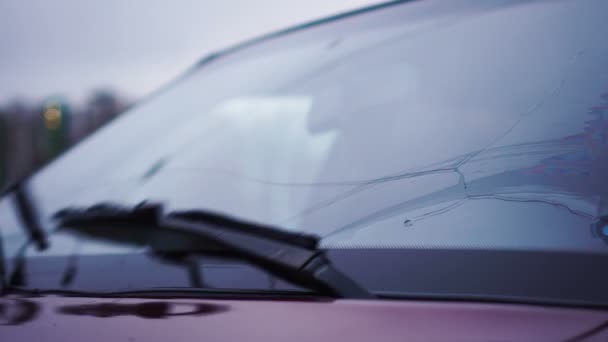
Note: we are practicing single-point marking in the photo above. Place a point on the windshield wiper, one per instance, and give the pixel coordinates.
(294, 257)
(28, 214)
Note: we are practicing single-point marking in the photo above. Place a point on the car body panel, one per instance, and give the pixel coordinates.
(112, 319)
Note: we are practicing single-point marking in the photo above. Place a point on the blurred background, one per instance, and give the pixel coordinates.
(67, 67)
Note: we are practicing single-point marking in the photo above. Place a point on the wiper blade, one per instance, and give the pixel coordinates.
(294, 257)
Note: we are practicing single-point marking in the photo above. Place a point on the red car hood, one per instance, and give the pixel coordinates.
(95, 319)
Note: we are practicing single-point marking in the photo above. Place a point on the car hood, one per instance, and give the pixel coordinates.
(102, 319)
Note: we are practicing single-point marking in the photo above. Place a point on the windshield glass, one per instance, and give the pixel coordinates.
(478, 125)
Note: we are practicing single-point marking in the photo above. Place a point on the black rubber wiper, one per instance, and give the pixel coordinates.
(294, 257)
(28, 213)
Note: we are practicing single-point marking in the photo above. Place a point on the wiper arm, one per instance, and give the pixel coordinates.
(29, 216)
(294, 257)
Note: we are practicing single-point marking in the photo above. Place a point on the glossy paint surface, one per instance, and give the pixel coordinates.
(94, 319)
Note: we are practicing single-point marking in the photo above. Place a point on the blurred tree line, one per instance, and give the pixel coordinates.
(32, 134)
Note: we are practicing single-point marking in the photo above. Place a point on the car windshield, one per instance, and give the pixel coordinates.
(431, 125)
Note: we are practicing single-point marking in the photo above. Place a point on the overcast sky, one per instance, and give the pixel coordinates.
(69, 47)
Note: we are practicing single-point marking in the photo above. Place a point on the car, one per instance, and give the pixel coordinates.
(410, 171)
